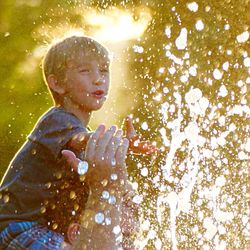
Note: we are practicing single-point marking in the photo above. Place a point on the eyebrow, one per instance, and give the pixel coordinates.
(83, 64)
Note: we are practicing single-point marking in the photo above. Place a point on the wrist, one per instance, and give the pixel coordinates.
(106, 195)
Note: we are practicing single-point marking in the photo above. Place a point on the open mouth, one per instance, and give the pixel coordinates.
(98, 94)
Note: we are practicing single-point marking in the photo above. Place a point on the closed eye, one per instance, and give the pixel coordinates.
(84, 70)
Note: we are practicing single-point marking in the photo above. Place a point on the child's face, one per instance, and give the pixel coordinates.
(87, 83)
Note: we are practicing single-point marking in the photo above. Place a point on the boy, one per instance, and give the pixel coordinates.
(39, 193)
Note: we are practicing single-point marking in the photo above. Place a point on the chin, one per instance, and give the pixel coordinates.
(96, 107)
(93, 107)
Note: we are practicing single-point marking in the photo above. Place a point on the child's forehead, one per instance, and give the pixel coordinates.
(83, 60)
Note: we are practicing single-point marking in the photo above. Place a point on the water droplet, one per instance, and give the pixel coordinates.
(137, 199)
(114, 177)
(54, 226)
(82, 178)
(138, 49)
(108, 221)
(199, 25)
(48, 185)
(144, 126)
(82, 167)
(113, 162)
(72, 195)
(223, 91)
(76, 206)
(165, 90)
(104, 182)
(225, 66)
(43, 210)
(247, 62)
(193, 6)
(116, 229)
(6, 198)
(168, 31)
(181, 41)
(243, 37)
(105, 194)
(144, 171)
(59, 175)
(33, 151)
(69, 125)
(161, 70)
(112, 200)
(99, 218)
(217, 74)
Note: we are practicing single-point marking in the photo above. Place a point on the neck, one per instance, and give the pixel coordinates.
(82, 114)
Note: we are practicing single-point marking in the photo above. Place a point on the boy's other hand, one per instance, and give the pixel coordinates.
(136, 144)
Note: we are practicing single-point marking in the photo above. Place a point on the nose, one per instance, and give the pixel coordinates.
(98, 79)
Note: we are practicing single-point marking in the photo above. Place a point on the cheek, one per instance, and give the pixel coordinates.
(107, 81)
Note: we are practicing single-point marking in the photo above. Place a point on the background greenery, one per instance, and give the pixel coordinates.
(25, 28)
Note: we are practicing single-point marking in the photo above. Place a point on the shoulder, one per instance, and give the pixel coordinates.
(59, 117)
(54, 121)
(59, 114)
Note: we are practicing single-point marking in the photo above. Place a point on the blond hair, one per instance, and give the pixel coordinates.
(69, 49)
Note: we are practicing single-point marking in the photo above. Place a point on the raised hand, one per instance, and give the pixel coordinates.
(105, 153)
(136, 144)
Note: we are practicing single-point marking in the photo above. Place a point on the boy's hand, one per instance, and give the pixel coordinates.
(105, 153)
(136, 144)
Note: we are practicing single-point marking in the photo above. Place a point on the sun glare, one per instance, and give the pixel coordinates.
(118, 25)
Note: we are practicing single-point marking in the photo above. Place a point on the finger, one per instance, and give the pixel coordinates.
(150, 149)
(92, 142)
(103, 142)
(70, 158)
(146, 144)
(129, 127)
(121, 152)
(153, 149)
(112, 147)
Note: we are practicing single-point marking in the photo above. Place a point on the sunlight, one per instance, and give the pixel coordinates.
(118, 25)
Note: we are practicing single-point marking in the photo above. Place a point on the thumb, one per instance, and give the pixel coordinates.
(70, 158)
(129, 127)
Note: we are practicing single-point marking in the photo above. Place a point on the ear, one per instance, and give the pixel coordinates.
(73, 232)
(55, 85)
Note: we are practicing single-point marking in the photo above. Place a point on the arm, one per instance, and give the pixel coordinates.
(137, 145)
(130, 219)
(99, 236)
(106, 234)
